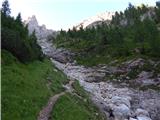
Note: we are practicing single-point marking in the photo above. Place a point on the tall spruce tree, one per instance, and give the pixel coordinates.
(5, 8)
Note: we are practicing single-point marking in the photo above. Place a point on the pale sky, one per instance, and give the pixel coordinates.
(57, 14)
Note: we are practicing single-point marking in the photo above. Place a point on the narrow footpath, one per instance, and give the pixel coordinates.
(45, 113)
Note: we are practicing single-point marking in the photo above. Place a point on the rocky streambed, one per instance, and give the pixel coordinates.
(120, 101)
(117, 102)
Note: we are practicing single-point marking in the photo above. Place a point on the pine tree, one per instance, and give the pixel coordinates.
(19, 19)
(157, 10)
(5, 8)
(158, 4)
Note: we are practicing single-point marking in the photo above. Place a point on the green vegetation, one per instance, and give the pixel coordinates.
(28, 79)
(80, 91)
(133, 32)
(24, 87)
(71, 107)
(15, 37)
(87, 102)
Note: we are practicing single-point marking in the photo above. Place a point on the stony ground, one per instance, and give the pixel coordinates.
(118, 102)
(119, 91)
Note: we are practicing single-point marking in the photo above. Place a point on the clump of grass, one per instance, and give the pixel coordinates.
(71, 107)
(79, 90)
(133, 73)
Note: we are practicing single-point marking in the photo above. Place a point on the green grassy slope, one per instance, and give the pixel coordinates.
(24, 87)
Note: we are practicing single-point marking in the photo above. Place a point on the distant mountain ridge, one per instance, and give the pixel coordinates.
(95, 20)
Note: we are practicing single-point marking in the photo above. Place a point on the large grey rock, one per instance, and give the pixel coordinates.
(145, 75)
(132, 118)
(144, 78)
(121, 100)
(122, 111)
(141, 112)
(143, 118)
(136, 63)
(95, 77)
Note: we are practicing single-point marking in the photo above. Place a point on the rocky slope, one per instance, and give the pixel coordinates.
(111, 87)
(95, 20)
(41, 31)
(118, 101)
(43, 38)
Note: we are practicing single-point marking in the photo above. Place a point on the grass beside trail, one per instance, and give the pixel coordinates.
(71, 107)
(24, 87)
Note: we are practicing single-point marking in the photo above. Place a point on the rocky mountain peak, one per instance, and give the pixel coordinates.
(95, 20)
(31, 21)
(43, 34)
(33, 18)
(40, 30)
